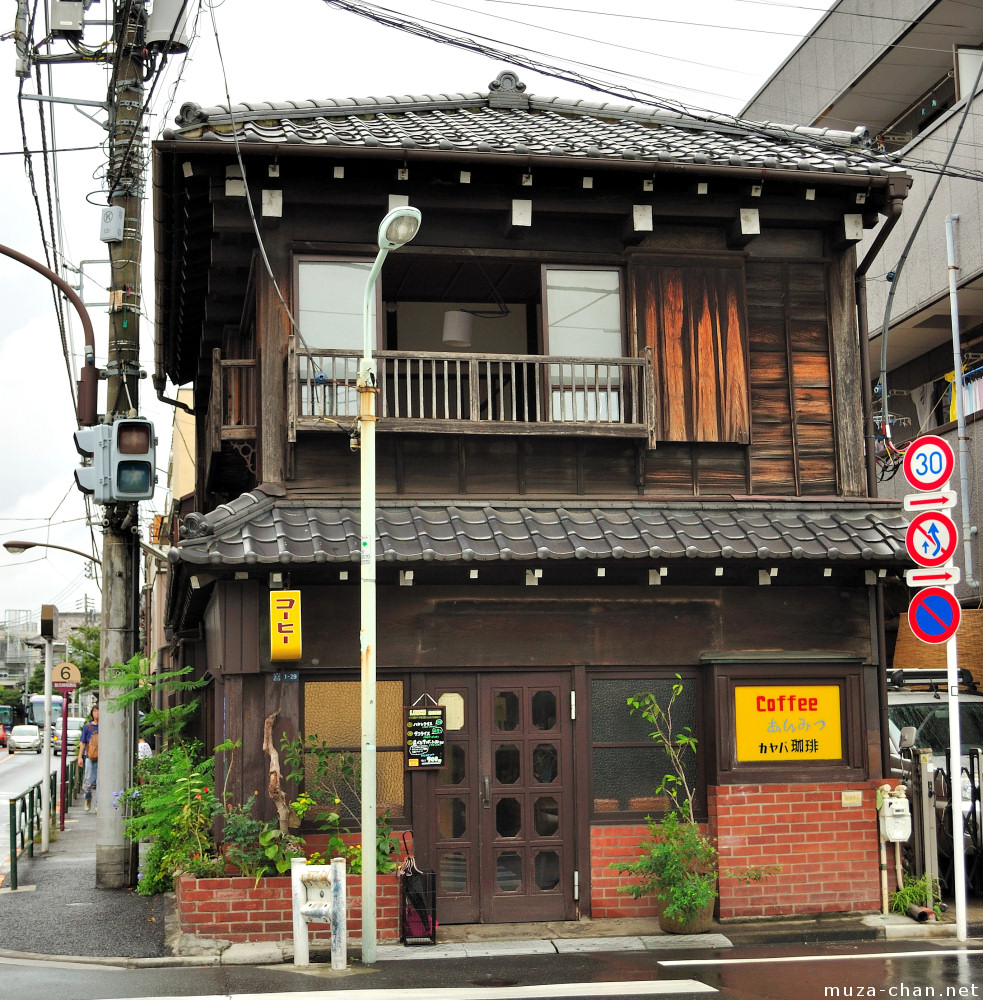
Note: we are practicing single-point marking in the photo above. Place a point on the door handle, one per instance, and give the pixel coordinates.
(486, 798)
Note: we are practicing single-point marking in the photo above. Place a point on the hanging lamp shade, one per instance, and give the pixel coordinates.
(457, 328)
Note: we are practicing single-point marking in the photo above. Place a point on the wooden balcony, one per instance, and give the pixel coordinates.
(232, 408)
(454, 393)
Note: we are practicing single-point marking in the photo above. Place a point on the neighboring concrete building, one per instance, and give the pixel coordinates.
(620, 440)
(909, 78)
(164, 527)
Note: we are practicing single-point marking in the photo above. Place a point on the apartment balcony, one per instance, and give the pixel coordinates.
(455, 393)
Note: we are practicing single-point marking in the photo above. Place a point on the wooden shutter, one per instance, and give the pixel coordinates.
(693, 318)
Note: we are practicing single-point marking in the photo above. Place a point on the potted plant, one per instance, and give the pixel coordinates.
(677, 861)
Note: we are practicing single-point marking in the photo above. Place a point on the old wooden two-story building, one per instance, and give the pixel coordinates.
(621, 437)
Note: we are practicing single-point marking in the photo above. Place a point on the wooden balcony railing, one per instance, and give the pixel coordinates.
(233, 406)
(471, 393)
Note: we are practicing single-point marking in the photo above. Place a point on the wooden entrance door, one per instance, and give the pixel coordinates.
(504, 811)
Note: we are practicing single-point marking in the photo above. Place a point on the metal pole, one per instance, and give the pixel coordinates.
(968, 531)
(398, 227)
(368, 390)
(64, 756)
(49, 663)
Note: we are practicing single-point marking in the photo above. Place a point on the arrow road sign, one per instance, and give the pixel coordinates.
(934, 615)
(931, 538)
(936, 500)
(947, 576)
(928, 462)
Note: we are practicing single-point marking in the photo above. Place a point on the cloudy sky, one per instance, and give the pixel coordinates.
(711, 54)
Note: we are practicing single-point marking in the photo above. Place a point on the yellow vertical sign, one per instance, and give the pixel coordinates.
(285, 640)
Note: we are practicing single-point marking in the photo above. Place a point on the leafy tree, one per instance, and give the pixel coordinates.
(83, 651)
(138, 684)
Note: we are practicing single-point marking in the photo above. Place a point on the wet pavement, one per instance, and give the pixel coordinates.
(58, 911)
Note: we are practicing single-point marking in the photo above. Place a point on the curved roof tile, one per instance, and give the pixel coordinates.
(260, 528)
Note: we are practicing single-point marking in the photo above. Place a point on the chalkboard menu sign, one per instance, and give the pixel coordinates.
(425, 729)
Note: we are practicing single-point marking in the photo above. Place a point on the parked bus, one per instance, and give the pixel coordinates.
(35, 710)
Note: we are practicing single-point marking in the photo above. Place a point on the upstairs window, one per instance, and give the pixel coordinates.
(330, 296)
(584, 320)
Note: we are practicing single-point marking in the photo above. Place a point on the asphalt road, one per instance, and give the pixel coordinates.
(885, 970)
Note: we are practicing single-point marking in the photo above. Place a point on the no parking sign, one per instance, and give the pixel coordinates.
(934, 615)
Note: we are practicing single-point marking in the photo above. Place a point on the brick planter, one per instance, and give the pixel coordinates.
(239, 909)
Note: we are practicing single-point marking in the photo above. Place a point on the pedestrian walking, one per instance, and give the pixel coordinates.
(89, 756)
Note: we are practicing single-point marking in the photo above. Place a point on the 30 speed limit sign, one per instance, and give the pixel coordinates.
(928, 462)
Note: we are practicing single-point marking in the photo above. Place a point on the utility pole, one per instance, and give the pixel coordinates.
(116, 857)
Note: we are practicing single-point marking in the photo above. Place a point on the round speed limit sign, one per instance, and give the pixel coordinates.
(928, 462)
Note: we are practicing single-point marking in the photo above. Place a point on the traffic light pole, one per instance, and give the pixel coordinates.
(116, 857)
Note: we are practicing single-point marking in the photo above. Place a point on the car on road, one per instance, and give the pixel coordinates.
(24, 737)
(918, 718)
(3, 737)
(75, 725)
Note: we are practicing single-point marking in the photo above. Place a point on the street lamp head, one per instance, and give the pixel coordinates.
(399, 227)
(16, 548)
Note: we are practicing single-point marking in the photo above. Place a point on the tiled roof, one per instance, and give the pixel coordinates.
(262, 528)
(507, 121)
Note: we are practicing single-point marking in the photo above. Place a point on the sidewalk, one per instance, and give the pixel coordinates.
(57, 911)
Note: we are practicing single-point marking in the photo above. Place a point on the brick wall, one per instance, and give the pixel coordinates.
(829, 853)
(238, 909)
(614, 844)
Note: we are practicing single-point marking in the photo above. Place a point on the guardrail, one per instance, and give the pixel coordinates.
(25, 823)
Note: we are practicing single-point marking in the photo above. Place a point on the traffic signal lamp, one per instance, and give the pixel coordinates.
(122, 466)
(93, 443)
(132, 457)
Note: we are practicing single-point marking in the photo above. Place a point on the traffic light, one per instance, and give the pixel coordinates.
(122, 460)
(132, 457)
(93, 443)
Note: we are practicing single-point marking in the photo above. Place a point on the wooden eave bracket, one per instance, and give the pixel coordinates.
(743, 229)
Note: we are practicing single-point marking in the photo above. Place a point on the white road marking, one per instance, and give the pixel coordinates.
(939, 953)
(646, 987)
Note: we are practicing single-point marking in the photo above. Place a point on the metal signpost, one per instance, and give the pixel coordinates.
(934, 612)
(66, 677)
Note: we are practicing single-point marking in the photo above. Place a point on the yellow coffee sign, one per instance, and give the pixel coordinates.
(789, 722)
(285, 641)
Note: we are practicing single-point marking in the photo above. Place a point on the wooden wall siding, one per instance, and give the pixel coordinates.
(701, 470)
(444, 465)
(693, 319)
(848, 393)
(772, 459)
(793, 437)
(812, 384)
(424, 627)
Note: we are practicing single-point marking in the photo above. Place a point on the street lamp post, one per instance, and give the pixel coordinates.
(395, 230)
(16, 548)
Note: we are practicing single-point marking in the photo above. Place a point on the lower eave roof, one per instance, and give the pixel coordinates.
(264, 528)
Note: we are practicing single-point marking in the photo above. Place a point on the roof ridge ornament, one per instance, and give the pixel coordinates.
(506, 91)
